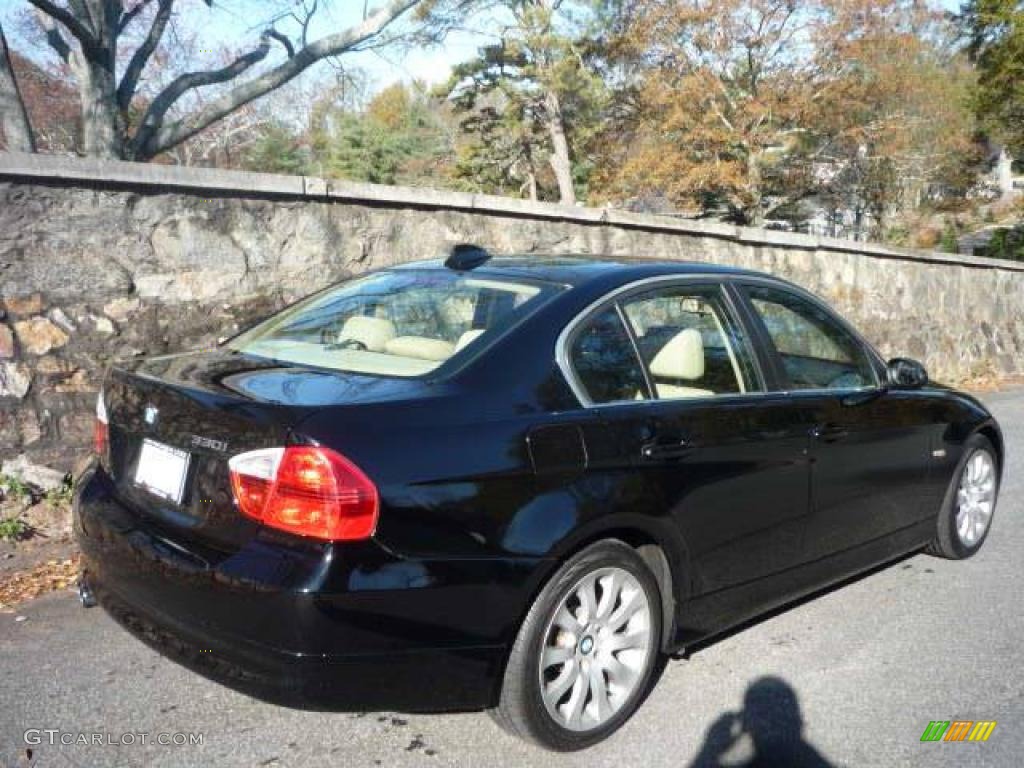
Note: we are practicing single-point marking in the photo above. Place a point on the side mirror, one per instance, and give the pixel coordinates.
(906, 373)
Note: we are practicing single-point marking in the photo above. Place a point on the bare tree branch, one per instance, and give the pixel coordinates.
(131, 15)
(155, 137)
(84, 36)
(283, 40)
(132, 73)
(153, 119)
(54, 37)
(307, 17)
(84, 9)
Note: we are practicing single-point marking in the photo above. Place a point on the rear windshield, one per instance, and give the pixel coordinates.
(397, 323)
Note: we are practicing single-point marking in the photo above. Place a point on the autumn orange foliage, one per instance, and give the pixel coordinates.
(749, 105)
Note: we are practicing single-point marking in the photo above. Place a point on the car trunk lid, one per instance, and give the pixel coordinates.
(175, 421)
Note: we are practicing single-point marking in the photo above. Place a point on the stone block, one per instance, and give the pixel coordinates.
(15, 380)
(23, 305)
(41, 477)
(38, 335)
(6, 342)
(122, 308)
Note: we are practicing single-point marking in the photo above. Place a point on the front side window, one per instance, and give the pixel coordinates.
(817, 352)
(689, 343)
(394, 323)
(605, 360)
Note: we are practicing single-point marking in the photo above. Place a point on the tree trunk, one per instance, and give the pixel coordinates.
(102, 134)
(754, 213)
(13, 117)
(94, 26)
(103, 129)
(560, 162)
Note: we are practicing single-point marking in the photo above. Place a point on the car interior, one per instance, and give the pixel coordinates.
(815, 353)
(408, 329)
(685, 345)
(682, 340)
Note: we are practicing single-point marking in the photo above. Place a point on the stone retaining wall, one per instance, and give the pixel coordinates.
(100, 260)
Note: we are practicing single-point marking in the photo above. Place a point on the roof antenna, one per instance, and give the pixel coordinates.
(466, 256)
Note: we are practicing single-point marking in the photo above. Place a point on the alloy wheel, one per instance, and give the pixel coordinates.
(975, 498)
(596, 648)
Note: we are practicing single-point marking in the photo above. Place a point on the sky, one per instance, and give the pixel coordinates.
(233, 23)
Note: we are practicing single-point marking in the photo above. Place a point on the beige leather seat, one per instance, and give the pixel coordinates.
(372, 332)
(420, 347)
(468, 338)
(682, 358)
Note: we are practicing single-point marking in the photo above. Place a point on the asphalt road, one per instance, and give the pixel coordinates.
(867, 666)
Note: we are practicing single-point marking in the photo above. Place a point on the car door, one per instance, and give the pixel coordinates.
(680, 425)
(869, 454)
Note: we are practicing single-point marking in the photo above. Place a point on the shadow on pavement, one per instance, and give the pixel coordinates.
(768, 731)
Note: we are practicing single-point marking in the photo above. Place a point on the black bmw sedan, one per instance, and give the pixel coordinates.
(513, 484)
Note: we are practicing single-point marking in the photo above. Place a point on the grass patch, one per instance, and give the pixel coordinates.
(12, 486)
(61, 496)
(13, 528)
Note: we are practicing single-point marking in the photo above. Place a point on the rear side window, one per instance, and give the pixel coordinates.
(689, 343)
(605, 361)
(817, 352)
(404, 322)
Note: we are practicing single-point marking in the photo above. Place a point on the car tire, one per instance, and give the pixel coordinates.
(601, 611)
(966, 497)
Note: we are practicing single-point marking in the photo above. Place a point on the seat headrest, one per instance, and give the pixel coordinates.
(468, 338)
(373, 332)
(681, 358)
(420, 347)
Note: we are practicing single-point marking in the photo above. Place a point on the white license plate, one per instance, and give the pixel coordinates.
(162, 470)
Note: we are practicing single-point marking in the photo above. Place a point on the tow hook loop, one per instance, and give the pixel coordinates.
(85, 595)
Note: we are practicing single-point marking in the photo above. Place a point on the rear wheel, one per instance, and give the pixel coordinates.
(966, 515)
(584, 657)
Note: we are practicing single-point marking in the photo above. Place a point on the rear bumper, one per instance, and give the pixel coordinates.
(431, 680)
(312, 626)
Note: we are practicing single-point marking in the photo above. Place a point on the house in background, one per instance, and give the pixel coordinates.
(1005, 176)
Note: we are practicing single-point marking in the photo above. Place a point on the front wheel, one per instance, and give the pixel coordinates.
(966, 515)
(586, 652)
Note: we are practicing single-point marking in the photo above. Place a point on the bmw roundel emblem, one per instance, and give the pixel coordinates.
(150, 414)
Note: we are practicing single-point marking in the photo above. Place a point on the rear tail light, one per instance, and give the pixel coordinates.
(101, 428)
(308, 490)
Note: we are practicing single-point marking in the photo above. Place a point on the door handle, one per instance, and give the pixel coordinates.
(667, 449)
(829, 433)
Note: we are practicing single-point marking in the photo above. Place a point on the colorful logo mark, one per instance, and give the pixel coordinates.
(958, 730)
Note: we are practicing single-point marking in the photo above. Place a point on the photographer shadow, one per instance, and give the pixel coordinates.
(767, 732)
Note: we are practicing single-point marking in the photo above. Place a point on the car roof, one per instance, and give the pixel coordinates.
(575, 271)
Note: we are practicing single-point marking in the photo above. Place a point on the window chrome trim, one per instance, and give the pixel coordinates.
(651, 394)
(720, 279)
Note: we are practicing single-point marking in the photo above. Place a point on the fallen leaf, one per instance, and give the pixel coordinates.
(46, 577)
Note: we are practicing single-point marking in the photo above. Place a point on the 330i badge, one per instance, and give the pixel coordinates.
(513, 484)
